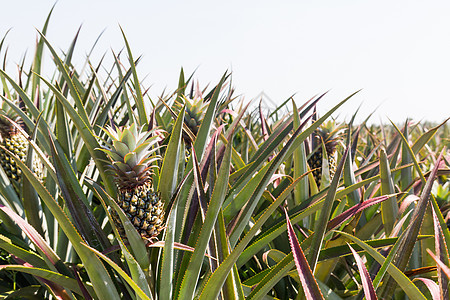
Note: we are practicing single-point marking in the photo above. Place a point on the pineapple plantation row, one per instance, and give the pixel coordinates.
(106, 193)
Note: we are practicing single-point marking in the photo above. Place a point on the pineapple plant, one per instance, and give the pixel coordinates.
(132, 155)
(328, 135)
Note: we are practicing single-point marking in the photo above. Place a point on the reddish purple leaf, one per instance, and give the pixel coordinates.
(444, 268)
(228, 111)
(59, 291)
(407, 202)
(32, 234)
(432, 287)
(85, 292)
(369, 291)
(354, 210)
(309, 283)
(265, 133)
(398, 226)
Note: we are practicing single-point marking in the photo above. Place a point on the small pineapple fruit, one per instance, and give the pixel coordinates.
(195, 112)
(329, 135)
(13, 140)
(132, 155)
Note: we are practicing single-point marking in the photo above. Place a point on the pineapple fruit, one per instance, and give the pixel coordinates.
(195, 112)
(132, 155)
(328, 134)
(13, 140)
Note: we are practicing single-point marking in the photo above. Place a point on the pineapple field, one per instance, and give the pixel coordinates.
(108, 193)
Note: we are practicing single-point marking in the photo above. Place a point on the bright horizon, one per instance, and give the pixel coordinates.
(396, 52)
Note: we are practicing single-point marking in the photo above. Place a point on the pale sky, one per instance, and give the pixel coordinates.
(397, 52)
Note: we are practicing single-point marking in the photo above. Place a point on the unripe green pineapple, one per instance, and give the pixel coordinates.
(132, 155)
(329, 135)
(13, 140)
(17, 144)
(194, 113)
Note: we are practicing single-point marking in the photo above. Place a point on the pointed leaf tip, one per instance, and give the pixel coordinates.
(309, 283)
(369, 291)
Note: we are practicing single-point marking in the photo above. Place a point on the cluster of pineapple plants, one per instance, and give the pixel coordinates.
(106, 193)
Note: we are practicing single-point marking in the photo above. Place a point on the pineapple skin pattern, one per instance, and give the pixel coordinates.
(15, 142)
(132, 155)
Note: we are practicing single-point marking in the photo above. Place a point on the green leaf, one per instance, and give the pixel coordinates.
(191, 276)
(231, 210)
(296, 139)
(169, 170)
(208, 120)
(27, 256)
(212, 288)
(57, 278)
(137, 244)
(28, 103)
(301, 192)
(406, 174)
(167, 261)
(41, 245)
(101, 281)
(321, 225)
(29, 196)
(139, 292)
(343, 250)
(272, 278)
(37, 61)
(349, 176)
(76, 200)
(139, 100)
(426, 137)
(85, 131)
(407, 285)
(271, 233)
(137, 274)
(68, 79)
(412, 231)
(389, 208)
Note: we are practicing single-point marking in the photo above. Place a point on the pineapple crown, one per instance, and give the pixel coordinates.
(132, 155)
(329, 133)
(7, 129)
(195, 108)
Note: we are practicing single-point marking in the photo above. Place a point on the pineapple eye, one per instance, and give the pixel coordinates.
(134, 199)
(136, 221)
(144, 225)
(125, 205)
(132, 209)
